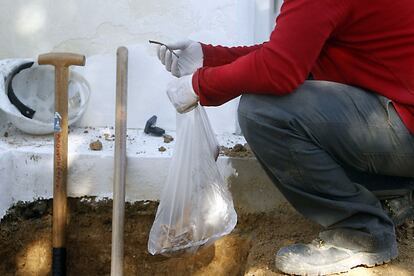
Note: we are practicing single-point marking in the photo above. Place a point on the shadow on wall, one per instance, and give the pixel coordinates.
(251, 188)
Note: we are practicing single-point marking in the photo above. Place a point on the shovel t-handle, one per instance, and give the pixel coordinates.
(62, 59)
(61, 62)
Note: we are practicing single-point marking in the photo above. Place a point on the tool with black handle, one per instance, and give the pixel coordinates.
(61, 62)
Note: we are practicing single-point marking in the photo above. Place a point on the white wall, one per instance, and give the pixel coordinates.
(97, 27)
(26, 169)
(5, 183)
(264, 19)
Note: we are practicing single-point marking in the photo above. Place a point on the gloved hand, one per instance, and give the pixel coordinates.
(181, 94)
(190, 57)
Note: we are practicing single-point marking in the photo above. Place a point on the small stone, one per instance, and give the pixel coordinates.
(6, 134)
(108, 137)
(238, 148)
(168, 138)
(96, 145)
(162, 149)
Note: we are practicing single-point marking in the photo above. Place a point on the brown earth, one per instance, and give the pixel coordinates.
(26, 231)
(238, 151)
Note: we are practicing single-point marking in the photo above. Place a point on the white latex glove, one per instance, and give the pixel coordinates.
(181, 94)
(190, 58)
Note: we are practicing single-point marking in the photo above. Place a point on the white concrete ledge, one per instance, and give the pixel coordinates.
(26, 168)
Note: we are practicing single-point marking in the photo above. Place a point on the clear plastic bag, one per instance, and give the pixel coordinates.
(196, 207)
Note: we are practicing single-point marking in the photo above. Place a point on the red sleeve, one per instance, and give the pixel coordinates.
(282, 64)
(220, 55)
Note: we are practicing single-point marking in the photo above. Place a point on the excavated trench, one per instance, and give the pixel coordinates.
(25, 242)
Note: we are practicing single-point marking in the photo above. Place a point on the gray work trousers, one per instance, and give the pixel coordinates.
(324, 147)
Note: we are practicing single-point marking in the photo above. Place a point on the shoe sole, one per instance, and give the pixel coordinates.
(359, 259)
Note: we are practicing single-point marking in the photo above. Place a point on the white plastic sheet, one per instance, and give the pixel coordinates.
(196, 207)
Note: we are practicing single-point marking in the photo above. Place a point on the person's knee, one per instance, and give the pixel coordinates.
(255, 117)
(262, 111)
(244, 112)
(244, 104)
(289, 111)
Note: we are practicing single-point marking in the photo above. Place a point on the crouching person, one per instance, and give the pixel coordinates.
(334, 145)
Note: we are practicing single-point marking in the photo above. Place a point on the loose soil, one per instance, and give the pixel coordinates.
(25, 242)
(238, 150)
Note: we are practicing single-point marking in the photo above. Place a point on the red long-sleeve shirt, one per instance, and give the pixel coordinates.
(364, 43)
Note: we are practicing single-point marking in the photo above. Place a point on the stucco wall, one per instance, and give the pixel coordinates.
(26, 169)
(97, 27)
